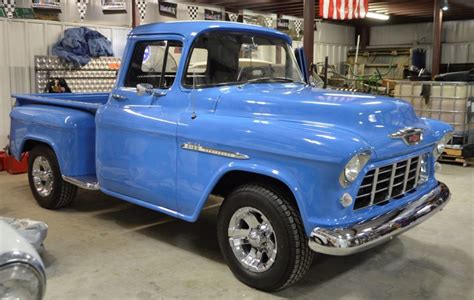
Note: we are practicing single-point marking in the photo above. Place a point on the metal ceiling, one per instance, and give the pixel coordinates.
(400, 11)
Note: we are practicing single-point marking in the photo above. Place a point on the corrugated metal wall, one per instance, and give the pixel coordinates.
(458, 39)
(21, 40)
(333, 41)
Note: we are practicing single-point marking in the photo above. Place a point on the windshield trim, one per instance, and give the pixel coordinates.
(189, 53)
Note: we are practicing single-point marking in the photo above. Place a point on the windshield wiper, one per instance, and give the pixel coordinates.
(269, 79)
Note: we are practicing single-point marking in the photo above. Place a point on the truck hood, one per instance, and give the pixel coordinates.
(372, 118)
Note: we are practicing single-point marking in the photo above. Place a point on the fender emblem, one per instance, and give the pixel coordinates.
(411, 136)
(213, 151)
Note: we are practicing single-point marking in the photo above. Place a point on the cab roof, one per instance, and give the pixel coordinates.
(191, 29)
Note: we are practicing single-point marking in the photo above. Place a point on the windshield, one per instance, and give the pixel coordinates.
(223, 58)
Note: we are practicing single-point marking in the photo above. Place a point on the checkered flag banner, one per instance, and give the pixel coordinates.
(233, 17)
(141, 6)
(269, 22)
(298, 23)
(9, 7)
(193, 12)
(82, 8)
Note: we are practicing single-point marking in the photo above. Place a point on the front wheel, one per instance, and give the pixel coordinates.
(262, 239)
(46, 183)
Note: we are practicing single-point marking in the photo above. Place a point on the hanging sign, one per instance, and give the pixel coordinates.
(193, 12)
(9, 8)
(233, 17)
(141, 6)
(212, 15)
(283, 24)
(46, 4)
(168, 9)
(82, 8)
(113, 5)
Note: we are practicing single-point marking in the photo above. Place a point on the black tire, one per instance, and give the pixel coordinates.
(293, 258)
(62, 193)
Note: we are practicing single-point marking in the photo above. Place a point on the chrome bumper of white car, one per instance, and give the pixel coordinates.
(365, 235)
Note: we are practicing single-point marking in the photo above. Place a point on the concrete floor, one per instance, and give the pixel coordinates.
(103, 248)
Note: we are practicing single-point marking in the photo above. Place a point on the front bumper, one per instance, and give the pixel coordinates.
(370, 233)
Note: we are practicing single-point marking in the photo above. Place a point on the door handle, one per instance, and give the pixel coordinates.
(160, 94)
(118, 97)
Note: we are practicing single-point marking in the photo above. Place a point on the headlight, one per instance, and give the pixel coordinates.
(20, 281)
(441, 145)
(353, 168)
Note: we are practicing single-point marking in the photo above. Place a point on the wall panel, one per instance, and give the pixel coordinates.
(458, 39)
(21, 40)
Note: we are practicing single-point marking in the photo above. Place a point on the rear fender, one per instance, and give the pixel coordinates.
(70, 133)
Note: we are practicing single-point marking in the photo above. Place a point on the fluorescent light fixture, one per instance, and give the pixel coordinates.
(445, 5)
(377, 16)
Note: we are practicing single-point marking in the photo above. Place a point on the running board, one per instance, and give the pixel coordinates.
(88, 182)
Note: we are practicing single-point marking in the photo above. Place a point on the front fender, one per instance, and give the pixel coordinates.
(306, 157)
(274, 172)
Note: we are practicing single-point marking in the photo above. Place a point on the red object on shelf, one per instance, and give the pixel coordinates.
(3, 157)
(14, 166)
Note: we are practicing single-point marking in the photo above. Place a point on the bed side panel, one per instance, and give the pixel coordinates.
(69, 132)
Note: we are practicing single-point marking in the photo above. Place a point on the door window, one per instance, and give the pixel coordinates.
(155, 63)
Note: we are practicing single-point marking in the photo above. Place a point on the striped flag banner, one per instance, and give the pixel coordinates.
(343, 9)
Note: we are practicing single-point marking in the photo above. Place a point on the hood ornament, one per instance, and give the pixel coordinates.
(410, 135)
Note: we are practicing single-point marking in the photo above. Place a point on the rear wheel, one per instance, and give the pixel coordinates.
(46, 183)
(262, 239)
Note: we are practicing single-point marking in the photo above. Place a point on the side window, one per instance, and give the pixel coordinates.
(155, 63)
(197, 67)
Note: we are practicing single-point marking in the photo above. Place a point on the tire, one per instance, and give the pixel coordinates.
(293, 256)
(50, 190)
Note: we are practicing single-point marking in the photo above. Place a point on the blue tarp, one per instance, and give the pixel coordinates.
(80, 44)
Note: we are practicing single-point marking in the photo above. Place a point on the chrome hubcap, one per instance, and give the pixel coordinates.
(42, 176)
(252, 239)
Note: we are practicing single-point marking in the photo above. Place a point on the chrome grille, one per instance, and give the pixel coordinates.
(388, 182)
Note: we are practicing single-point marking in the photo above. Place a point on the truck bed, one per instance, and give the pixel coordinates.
(83, 101)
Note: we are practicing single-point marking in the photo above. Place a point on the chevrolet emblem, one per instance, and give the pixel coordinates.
(411, 136)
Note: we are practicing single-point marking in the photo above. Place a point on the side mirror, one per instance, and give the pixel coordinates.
(144, 88)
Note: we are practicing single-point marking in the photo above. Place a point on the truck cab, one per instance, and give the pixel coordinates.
(226, 109)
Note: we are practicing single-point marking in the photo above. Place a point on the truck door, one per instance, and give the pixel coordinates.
(136, 130)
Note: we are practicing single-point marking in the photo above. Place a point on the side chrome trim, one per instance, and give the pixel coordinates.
(84, 184)
(372, 232)
(213, 151)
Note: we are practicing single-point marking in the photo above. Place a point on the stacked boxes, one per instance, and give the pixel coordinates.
(450, 102)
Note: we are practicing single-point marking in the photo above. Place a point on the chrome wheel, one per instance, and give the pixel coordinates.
(42, 176)
(252, 239)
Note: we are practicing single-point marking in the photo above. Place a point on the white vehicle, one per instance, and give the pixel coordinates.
(22, 273)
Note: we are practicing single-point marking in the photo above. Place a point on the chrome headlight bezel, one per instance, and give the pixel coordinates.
(441, 145)
(20, 279)
(353, 168)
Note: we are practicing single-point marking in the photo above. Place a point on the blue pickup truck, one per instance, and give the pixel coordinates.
(226, 109)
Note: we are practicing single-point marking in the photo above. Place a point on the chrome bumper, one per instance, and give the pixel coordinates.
(370, 233)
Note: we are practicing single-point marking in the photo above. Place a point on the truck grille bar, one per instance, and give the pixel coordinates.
(382, 184)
